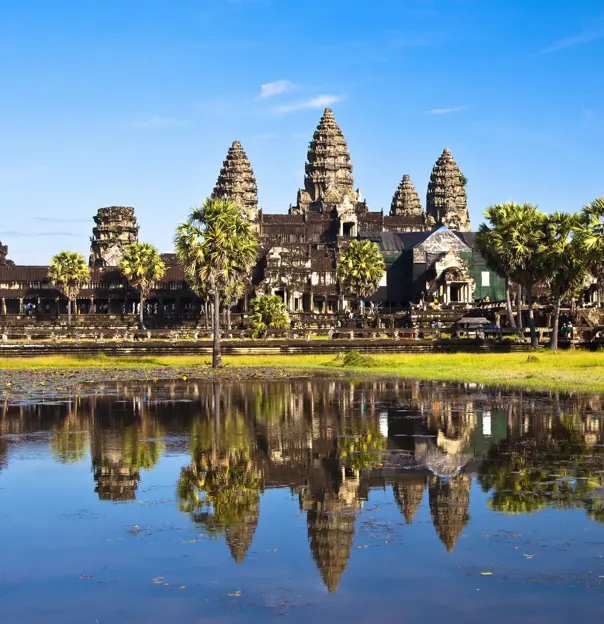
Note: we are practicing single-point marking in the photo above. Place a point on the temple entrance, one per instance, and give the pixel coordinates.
(349, 228)
(280, 294)
(456, 292)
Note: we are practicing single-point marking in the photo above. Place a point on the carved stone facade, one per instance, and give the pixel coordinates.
(237, 182)
(447, 200)
(406, 201)
(115, 229)
(298, 250)
(3, 253)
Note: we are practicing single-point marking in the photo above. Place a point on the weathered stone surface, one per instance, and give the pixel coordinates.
(237, 182)
(3, 253)
(115, 229)
(406, 202)
(328, 168)
(447, 201)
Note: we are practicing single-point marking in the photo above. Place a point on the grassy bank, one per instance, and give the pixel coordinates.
(570, 371)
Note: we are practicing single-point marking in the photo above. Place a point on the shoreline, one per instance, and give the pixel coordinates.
(574, 371)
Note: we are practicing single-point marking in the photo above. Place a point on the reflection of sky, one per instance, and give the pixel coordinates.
(54, 529)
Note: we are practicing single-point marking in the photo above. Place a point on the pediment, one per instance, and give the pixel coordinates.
(442, 240)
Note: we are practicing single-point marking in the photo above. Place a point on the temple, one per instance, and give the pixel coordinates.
(428, 252)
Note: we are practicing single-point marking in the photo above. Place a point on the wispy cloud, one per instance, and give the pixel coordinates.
(446, 111)
(270, 89)
(155, 121)
(571, 42)
(319, 101)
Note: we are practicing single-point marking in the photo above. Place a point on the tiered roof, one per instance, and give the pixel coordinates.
(406, 201)
(237, 182)
(447, 200)
(328, 168)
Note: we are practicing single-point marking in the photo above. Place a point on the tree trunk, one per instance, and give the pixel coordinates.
(142, 307)
(553, 343)
(68, 312)
(216, 354)
(531, 315)
(206, 311)
(224, 315)
(519, 320)
(229, 318)
(508, 306)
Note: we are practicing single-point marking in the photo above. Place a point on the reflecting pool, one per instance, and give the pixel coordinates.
(324, 500)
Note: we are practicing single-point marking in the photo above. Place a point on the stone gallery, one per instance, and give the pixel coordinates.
(428, 252)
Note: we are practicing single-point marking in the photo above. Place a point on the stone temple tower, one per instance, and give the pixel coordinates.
(115, 229)
(328, 171)
(447, 201)
(406, 201)
(237, 182)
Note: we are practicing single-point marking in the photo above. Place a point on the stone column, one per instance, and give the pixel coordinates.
(20, 305)
(39, 308)
(312, 302)
(91, 305)
(448, 294)
(58, 310)
(3, 302)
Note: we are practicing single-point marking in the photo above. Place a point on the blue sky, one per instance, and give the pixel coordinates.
(136, 103)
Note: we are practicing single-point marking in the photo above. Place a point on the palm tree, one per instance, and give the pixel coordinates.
(495, 249)
(142, 265)
(69, 271)
(590, 236)
(518, 240)
(563, 261)
(268, 311)
(217, 249)
(232, 295)
(361, 267)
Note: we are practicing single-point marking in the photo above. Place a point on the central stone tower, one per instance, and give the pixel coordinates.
(237, 182)
(328, 170)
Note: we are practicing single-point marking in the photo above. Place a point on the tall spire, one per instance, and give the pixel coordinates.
(449, 504)
(237, 182)
(328, 167)
(408, 495)
(447, 201)
(406, 201)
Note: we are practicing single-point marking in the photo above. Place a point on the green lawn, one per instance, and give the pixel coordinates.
(569, 370)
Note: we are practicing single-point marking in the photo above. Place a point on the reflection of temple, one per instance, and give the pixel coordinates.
(449, 504)
(315, 438)
(408, 494)
(331, 534)
(116, 480)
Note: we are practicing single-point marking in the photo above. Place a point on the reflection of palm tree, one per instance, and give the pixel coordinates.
(361, 443)
(69, 442)
(449, 504)
(408, 494)
(555, 467)
(221, 487)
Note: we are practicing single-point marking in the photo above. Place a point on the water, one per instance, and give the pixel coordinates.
(306, 500)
